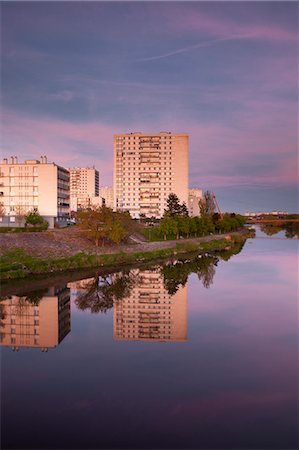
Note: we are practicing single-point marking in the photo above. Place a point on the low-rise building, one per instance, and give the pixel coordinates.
(34, 184)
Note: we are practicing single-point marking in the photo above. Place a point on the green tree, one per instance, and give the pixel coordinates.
(183, 224)
(168, 227)
(35, 219)
(117, 232)
(173, 205)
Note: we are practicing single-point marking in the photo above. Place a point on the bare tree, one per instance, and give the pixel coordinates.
(207, 205)
(2, 211)
(19, 214)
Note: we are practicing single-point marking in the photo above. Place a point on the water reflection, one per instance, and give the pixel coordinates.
(150, 312)
(291, 229)
(151, 304)
(39, 319)
(234, 370)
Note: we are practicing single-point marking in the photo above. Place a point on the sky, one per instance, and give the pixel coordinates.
(75, 73)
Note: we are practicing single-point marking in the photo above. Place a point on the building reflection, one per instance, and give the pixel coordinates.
(35, 321)
(150, 313)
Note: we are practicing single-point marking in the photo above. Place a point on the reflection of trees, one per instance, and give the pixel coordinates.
(206, 274)
(176, 275)
(271, 229)
(102, 291)
(291, 229)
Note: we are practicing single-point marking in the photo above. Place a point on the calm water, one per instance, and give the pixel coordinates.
(201, 354)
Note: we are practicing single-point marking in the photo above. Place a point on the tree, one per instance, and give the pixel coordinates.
(35, 219)
(184, 210)
(168, 227)
(207, 205)
(117, 232)
(20, 214)
(173, 205)
(97, 222)
(101, 223)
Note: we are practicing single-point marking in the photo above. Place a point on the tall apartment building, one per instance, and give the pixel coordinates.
(84, 184)
(150, 313)
(147, 168)
(193, 199)
(34, 184)
(43, 325)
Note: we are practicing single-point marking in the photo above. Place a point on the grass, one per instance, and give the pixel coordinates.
(16, 263)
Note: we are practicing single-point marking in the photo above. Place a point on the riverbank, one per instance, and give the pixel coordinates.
(17, 263)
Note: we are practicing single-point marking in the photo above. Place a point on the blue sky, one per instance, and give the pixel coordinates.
(75, 73)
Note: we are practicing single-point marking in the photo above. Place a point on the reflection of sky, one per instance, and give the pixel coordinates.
(236, 374)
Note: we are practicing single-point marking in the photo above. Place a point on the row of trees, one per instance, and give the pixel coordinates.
(184, 226)
(176, 222)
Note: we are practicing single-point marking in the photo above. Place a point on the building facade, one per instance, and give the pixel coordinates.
(43, 324)
(147, 168)
(106, 193)
(150, 313)
(34, 184)
(193, 198)
(84, 184)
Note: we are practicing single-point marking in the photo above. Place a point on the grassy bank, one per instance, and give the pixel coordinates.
(16, 263)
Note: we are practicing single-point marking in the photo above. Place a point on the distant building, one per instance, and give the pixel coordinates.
(147, 168)
(266, 213)
(43, 324)
(150, 313)
(84, 185)
(193, 198)
(34, 184)
(106, 193)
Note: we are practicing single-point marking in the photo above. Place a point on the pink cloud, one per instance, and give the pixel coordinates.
(191, 19)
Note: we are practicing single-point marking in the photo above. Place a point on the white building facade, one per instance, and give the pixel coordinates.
(106, 194)
(147, 168)
(84, 185)
(34, 184)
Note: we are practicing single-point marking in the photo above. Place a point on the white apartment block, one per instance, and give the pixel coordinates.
(193, 198)
(147, 168)
(106, 193)
(34, 184)
(150, 313)
(84, 184)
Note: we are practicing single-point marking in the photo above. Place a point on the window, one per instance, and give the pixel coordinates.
(12, 219)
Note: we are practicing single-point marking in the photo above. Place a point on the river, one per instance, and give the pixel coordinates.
(196, 354)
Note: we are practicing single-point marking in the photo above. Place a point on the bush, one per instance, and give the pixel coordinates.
(36, 220)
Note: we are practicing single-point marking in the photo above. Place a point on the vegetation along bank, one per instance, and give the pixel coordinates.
(17, 263)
